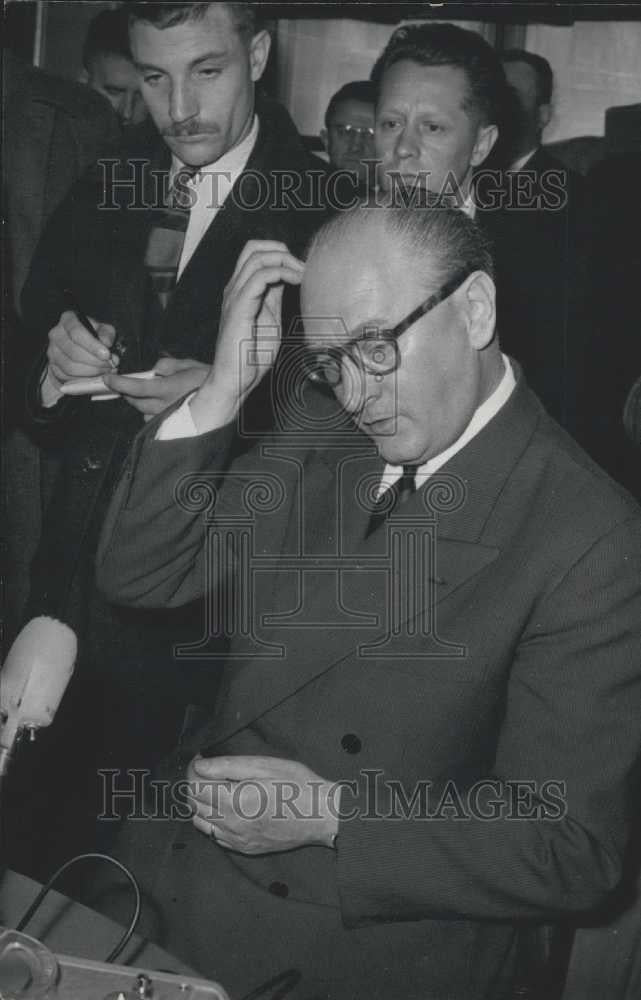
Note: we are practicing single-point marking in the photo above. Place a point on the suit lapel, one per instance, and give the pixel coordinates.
(449, 519)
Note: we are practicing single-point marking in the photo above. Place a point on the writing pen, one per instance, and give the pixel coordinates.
(84, 319)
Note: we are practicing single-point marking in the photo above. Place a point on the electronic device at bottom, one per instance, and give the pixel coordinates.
(29, 971)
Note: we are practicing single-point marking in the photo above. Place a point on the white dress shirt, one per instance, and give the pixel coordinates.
(211, 186)
(521, 162)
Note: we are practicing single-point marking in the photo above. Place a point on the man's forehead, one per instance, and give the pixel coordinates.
(354, 280)
(352, 111)
(214, 31)
(412, 81)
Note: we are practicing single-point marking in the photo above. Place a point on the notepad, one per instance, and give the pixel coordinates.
(95, 387)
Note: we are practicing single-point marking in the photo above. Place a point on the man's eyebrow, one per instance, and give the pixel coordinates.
(195, 62)
(207, 56)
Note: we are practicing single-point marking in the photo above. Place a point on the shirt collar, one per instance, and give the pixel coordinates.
(482, 416)
(469, 206)
(232, 162)
(522, 160)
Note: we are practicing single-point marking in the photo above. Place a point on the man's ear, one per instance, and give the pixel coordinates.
(323, 138)
(480, 308)
(544, 115)
(83, 76)
(259, 54)
(486, 136)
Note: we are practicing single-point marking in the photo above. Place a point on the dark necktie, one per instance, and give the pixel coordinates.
(167, 237)
(396, 494)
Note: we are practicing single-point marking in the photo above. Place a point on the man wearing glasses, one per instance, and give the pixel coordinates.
(424, 742)
(348, 135)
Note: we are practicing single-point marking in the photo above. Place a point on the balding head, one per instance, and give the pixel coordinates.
(441, 235)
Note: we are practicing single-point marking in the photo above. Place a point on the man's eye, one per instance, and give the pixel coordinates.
(151, 79)
(389, 123)
(209, 72)
(432, 127)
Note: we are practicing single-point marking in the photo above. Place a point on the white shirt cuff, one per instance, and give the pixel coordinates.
(179, 424)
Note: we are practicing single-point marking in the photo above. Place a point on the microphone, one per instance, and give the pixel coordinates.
(33, 679)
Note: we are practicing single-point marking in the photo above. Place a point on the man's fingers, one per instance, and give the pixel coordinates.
(257, 246)
(106, 333)
(267, 259)
(136, 388)
(170, 365)
(148, 407)
(260, 280)
(66, 352)
(242, 767)
(71, 330)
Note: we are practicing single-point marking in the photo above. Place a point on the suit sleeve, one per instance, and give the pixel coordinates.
(573, 719)
(151, 552)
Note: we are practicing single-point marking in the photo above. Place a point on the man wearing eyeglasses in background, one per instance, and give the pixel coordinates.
(425, 741)
(348, 136)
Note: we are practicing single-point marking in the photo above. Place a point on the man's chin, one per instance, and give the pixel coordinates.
(196, 151)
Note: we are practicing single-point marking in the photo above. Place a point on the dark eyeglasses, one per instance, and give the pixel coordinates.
(375, 350)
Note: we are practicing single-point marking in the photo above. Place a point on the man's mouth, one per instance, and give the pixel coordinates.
(381, 425)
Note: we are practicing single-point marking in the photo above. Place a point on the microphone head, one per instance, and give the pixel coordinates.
(35, 675)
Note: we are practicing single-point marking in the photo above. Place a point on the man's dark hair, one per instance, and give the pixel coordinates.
(357, 90)
(434, 44)
(247, 16)
(107, 35)
(542, 68)
(442, 240)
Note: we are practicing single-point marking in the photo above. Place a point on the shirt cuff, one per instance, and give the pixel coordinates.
(179, 424)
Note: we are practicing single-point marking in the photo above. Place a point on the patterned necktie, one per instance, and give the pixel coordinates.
(390, 499)
(167, 237)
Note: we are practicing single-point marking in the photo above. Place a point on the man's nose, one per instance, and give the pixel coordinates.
(127, 107)
(357, 140)
(183, 103)
(407, 145)
(357, 387)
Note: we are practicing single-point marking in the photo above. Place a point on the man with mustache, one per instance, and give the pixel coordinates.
(145, 246)
(426, 738)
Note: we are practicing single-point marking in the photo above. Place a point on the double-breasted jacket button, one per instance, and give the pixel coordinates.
(351, 743)
(91, 464)
(279, 889)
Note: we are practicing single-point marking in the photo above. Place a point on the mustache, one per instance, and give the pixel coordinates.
(189, 128)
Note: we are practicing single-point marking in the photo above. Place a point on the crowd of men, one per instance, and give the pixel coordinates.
(342, 552)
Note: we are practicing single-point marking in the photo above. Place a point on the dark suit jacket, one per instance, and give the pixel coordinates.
(53, 129)
(513, 656)
(541, 238)
(615, 274)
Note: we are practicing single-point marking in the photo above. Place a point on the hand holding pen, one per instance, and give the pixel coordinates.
(80, 347)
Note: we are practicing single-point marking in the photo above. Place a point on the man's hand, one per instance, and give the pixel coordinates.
(258, 805)
(175, 377)
(249, 332)
(73, 352)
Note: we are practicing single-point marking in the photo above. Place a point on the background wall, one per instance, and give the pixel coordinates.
(596, 65)
(65, 26)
